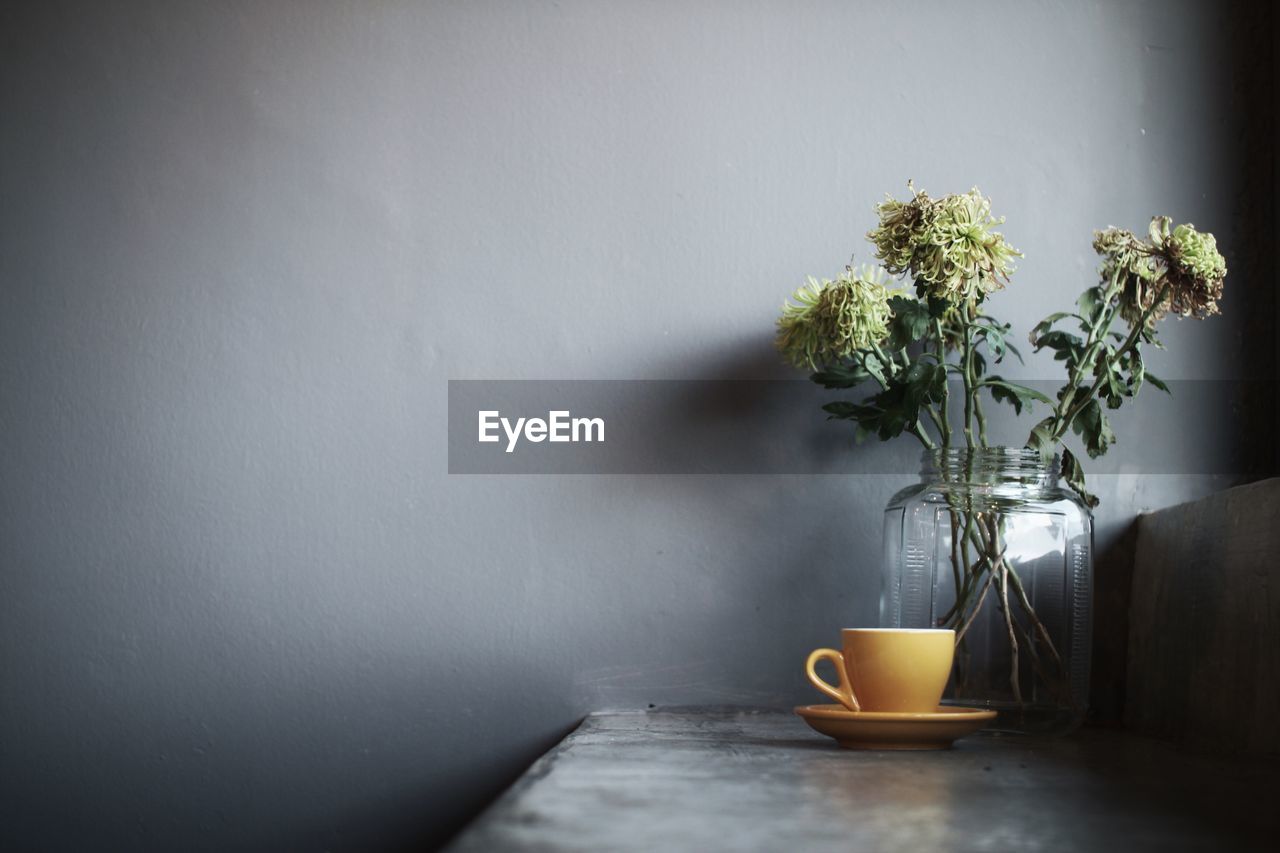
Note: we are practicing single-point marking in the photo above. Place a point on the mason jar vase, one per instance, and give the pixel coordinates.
(989, 544)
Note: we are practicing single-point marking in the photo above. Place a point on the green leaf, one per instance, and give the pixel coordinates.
(1137, 372)
(937, 384)
(938, 307)
(979, 363)
(1157, 382)
(938, 388)
(925, 381)
(1090, 303)
(1016, 395)
(1074, 475)
(1092, 426)
(897, 407)
(1044, 325)
(1058, 341)
(892, 422)
(1115, 388)
(1001, 395)
(994, 335)
(1041, 439)
(873, 367)
(911, 321)
(841, 376)
(870, 419)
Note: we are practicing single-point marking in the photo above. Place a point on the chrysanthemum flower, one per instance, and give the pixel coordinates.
(1127, 259)
(1195, 268)
(903, 225)
(1182, 263)
(832, 320)
(947, 245)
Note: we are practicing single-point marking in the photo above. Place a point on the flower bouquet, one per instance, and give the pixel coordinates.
(924, 353)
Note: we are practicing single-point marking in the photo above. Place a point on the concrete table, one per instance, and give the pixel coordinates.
(712, 780)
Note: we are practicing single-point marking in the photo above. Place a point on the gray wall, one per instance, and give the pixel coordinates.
(245, 244)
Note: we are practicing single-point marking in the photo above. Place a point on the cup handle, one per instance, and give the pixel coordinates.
(842, 694)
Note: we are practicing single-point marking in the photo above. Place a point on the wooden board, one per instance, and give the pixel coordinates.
(712, 780)
(1204, 622)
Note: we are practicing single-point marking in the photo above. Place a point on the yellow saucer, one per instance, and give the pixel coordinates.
(894, 730)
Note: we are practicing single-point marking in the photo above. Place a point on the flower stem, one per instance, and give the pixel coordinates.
(1097, 337)
(969, 390)
(944, 420)
(1063, 423)
(1014, 681)
(982, 421)
(973, 614)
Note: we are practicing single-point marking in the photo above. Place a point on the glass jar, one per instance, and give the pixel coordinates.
(990, 545)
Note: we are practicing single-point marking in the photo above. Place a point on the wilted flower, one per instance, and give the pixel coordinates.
(947, 245)
(1181, 263)
(1122, 250)
(834, 319)
(1128, 260)
(1195, 268)
(903, 225)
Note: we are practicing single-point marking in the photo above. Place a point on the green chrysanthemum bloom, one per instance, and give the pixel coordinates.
(832, 320)
(960, 257)
(1182, 261)
(947, 245)
(903, 225)
(1127, 259)
(1122, 250)
(1195, 269)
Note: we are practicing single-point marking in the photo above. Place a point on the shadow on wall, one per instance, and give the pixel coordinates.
(1252, 35)
(1250, 54)
(808, 527)
(427, 818)
(454, 785)
(1112, 590)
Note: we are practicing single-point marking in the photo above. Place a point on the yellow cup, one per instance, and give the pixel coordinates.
(888, 669)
